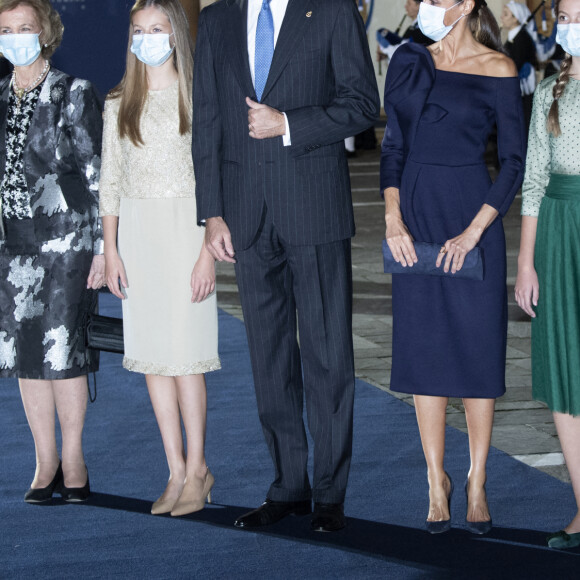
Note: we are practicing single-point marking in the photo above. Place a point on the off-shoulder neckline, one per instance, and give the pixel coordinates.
(453, 72)
(428, 53)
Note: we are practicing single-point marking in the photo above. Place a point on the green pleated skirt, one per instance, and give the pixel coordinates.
(556, 328)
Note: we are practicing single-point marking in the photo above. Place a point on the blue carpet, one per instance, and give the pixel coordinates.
(114, 535)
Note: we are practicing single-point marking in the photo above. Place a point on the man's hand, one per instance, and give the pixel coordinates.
(218, 240)
(264, 122)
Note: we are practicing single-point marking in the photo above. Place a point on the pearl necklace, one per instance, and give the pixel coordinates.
(20, 92)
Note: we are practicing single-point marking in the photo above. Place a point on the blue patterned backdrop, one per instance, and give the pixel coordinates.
(95, 40)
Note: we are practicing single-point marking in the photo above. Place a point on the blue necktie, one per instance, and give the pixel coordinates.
(264, 48)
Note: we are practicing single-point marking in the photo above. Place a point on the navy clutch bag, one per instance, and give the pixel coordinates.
(427, 257)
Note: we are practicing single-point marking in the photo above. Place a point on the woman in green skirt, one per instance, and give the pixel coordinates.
(548, 282)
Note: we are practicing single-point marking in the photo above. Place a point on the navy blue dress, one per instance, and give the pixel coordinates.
(449, 335)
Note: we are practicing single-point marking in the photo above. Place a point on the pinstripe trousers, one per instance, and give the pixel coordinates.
(307, 290)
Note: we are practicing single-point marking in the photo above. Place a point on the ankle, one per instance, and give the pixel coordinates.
(574, 526)
(476, 479)
(437, 478)
(439, 483)
(75, 473)
(177, 473)
(197, 471)
(72, 464)
(44, 473)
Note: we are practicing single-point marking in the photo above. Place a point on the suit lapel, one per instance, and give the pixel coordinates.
(236, 35)
(294, 26)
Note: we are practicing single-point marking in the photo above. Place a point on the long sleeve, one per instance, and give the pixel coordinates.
(511, 141)
(86, 126)
(410, 77)
(111, 171)
(207, 129)
(356, 104)
(392, 151)
(538, 160)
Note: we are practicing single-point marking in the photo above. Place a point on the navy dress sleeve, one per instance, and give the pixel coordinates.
(409, 80)
(511, 142)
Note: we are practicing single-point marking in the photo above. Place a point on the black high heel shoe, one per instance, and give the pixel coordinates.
(42, 494)
(478, 528)
(445, 525)
(76, 494)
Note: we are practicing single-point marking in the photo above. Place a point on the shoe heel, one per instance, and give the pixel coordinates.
(193, 500)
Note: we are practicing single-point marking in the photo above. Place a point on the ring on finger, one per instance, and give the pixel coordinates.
(443, 250)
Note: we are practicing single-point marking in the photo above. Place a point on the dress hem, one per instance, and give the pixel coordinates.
(160, 369)
(50, 376)
(449, 395)
(553, 409)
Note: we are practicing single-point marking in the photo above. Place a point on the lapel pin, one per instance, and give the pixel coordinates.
(308, 14)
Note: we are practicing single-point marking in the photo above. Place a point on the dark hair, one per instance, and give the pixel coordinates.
(484, 26)
(553, 122)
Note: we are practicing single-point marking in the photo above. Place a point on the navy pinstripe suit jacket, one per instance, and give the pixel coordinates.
(322, 77)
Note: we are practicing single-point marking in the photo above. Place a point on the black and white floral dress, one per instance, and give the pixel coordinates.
(44, 267)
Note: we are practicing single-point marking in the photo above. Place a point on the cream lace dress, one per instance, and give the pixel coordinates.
(152, 190)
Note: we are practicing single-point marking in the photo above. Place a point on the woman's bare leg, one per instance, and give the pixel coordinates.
(479, 416)
(163, 394)
(192, 396)
(431, 419)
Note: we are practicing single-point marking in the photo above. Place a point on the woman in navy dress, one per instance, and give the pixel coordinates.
(449, 335)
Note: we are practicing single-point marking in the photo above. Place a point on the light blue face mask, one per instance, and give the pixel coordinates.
(152, 49)
(568, 37)
(431, 21)
(20, 49)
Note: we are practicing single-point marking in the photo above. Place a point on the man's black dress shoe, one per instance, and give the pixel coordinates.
(271, 512)
(41, 494)
(328, 517)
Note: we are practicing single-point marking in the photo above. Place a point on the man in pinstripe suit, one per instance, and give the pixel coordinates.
(278, 85)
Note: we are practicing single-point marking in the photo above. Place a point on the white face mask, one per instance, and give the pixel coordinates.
(20, 49)
(152, 49)
(431, 21)
(568, 37)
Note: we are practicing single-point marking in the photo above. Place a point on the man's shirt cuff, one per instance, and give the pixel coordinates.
(286, 137)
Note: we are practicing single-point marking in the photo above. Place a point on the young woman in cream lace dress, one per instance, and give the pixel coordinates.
(148, 202)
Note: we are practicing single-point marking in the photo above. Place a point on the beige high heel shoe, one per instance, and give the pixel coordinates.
(194, 494)
(164, 506)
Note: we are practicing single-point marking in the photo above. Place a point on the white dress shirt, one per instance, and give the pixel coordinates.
(278, 9)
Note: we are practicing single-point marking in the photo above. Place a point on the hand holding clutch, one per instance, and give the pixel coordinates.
(427, 255)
